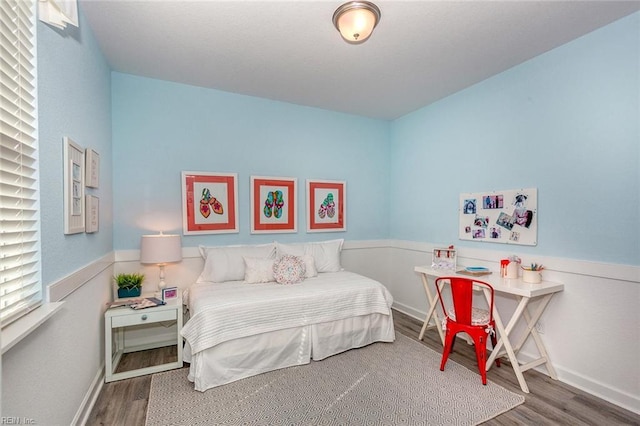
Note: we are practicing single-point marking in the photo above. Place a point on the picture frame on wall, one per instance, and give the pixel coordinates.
(326, 205)
(93, 214)
(507, 217)
(92, 162)
(273, 204)
(209, 203)
(73, 171)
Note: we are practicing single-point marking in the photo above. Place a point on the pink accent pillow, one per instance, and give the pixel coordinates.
(289, 270)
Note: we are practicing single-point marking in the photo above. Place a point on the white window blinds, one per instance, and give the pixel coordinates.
(20, 288)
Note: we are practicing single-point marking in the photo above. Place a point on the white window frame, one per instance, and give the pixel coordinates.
(20, 274)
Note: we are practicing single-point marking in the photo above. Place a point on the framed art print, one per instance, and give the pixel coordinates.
(209, 203)
(326, 206)
(273, 204)
(74, 208)
(92, 162)
(92, 213)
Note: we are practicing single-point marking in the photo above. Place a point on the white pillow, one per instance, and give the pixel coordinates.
(289, 270)
(298, 249)
(227, 264)
(258, 270)
(310, 266)
(326, 254)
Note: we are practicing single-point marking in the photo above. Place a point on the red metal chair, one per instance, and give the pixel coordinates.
(462, 316)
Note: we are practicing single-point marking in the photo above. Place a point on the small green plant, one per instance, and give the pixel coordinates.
(129, 281)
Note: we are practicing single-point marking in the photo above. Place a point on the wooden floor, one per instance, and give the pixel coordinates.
(550, 402)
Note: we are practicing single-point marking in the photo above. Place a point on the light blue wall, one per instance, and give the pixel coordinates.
(566, 122)
(74, 99)
(163, 128)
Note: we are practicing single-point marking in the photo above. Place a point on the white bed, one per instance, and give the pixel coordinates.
(238, 330)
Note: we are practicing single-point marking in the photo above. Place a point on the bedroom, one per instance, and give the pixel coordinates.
(577, 105)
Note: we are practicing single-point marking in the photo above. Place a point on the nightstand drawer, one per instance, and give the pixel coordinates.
(144, 317)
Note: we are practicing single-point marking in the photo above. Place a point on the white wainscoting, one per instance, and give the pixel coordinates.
(590, 329)
(60, 364)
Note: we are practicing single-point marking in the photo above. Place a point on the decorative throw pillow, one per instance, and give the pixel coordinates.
(258, 270)
(289, 270)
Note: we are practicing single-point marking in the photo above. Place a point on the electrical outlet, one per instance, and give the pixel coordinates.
(540, 327)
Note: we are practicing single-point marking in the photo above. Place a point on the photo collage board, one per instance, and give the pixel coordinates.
(508, 217)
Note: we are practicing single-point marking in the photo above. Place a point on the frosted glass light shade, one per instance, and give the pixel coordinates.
(356, 20)
(160, 249)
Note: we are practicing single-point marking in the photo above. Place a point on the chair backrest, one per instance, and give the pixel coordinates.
(462, 296)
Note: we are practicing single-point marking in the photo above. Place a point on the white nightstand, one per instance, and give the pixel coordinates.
(115, 322)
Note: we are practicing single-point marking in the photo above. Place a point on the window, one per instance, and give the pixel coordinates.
(20, 287)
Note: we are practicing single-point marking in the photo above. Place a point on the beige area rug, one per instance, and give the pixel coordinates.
(381, 384)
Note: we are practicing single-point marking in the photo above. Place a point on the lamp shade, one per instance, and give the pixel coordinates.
(160, 248)
(356, 20)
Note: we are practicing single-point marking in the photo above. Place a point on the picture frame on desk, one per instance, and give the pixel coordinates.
(169, 293)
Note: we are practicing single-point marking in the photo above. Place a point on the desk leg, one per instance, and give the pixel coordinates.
(531, 329)
(503, 338)
(433, 303)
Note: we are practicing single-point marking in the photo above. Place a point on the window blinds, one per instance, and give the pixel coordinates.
(20, 288)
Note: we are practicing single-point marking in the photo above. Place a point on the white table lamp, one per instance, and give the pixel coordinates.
(160, 249)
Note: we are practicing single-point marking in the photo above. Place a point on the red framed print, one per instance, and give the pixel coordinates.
(326, 206)
(273, 204)
(209, 203)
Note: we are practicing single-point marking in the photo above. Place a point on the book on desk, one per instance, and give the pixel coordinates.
(474, 271)
(137, 304)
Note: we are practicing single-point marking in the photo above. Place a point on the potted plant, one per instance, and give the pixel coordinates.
(129, 285)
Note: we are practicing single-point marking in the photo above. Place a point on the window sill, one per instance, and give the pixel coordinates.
(18, 330)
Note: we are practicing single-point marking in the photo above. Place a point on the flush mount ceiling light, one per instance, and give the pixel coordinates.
(356, 20)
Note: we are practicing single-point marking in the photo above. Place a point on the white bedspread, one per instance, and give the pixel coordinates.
(226, 311)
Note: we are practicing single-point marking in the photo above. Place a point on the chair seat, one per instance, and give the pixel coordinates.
(478, 316)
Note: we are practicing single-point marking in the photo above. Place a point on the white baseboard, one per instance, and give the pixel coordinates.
(408, 310)
(600, 390)
(88, 402)
(591, 386)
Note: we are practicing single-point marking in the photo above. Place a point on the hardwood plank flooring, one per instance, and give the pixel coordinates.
(550, 402)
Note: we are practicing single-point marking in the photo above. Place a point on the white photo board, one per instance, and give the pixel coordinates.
(508, 217)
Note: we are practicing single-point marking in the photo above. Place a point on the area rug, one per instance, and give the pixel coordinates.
(381, 384)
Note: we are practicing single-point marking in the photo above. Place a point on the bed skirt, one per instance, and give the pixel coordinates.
(248, 356)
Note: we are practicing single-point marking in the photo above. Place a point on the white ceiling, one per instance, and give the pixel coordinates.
(289, 51)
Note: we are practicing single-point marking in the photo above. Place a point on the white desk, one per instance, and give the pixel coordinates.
(524, 293)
